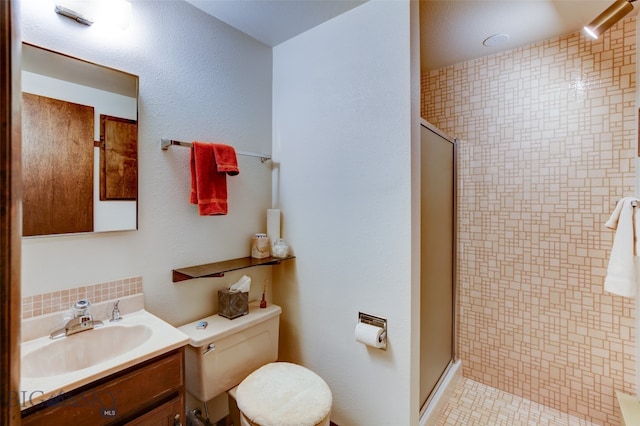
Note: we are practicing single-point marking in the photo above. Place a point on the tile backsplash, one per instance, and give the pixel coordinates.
(41, 304)
(547, 146)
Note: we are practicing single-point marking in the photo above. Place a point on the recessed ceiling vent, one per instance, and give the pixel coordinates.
(496, 40)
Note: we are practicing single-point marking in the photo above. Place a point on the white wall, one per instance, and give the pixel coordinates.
(199, 80)
(342, 134)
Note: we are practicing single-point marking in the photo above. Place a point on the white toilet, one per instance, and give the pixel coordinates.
(239, 356)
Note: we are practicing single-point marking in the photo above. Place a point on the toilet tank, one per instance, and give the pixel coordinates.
(221, 355)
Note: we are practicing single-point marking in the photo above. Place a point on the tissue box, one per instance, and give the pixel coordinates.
(232, 304)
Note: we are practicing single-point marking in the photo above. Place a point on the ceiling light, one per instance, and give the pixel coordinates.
(495, 40)
(608, 18)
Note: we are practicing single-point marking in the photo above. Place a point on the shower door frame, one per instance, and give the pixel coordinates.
(454, 258)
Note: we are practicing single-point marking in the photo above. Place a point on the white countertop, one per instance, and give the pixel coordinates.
(164, 338)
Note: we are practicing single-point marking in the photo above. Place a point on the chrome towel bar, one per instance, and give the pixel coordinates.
(166, 143)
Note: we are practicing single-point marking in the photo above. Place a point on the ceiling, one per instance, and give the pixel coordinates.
(452, 31)
(274, 21)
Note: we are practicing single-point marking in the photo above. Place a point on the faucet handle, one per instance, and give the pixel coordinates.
(115, 314)
(80, 308)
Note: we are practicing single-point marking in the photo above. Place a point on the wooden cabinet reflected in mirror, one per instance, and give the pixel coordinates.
(80, 143)
(118, 158)
(57, 155)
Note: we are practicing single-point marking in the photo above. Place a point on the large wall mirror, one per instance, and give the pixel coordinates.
(79, 145)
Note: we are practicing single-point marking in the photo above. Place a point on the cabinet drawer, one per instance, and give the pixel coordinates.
(117, 398)
(164, 415)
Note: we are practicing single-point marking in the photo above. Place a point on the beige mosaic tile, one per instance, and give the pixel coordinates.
(476, 404)
(547, 145)
(56, 301)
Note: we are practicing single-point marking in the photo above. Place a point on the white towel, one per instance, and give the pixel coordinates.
(622, 274)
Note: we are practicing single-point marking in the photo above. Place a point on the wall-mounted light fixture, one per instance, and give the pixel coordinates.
(112, 12)
(608, 18)
(76, 15)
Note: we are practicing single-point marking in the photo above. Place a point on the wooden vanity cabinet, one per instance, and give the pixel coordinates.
(150, 393)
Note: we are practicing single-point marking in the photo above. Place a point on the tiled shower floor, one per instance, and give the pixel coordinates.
(473, 403)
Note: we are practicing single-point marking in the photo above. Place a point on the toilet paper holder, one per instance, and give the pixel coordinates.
(377, 322)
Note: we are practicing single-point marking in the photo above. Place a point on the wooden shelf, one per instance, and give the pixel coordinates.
(218, 269)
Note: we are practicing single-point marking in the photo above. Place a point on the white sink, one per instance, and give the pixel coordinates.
(83, 350)
(52, 367)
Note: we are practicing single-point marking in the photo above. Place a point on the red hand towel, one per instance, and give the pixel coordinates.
(226, 160)
(208, 178)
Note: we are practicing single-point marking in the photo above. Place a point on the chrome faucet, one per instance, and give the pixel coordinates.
(82, 321)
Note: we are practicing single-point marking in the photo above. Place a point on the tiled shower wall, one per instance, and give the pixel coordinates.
(546, 148)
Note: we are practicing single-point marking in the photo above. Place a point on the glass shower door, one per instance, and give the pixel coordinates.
(437, 258)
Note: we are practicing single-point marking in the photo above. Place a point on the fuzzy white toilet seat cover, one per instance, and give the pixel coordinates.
(284, 394)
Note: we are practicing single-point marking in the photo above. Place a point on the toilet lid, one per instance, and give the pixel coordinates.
(284, 394)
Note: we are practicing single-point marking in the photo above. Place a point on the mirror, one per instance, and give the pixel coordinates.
(79, 145)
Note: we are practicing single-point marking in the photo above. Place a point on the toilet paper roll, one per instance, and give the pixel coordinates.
(273, 225)
(370, 335)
